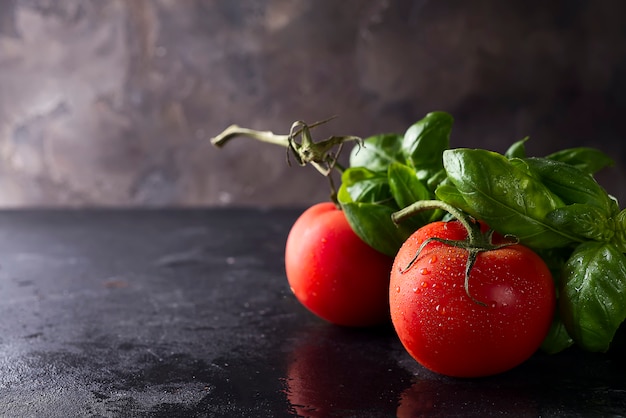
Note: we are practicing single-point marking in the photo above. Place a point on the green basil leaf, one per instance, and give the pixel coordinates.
(506, 197)
(572, 184)
(436, 179)
(585, 221)
(517, 150)
(447, 192)
(378, 152)
(589, 160)
(372, 223)
(557, 339)
(365, 197)
(406, 189)
(405, 186)
(364, 185)
(425, 141)
(593, 294)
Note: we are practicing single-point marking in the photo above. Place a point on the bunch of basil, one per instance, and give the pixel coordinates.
(552, 204)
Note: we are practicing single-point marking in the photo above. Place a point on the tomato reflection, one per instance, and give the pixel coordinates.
(334, 371)
(447, 397)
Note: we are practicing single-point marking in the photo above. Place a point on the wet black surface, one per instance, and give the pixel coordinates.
(173, 313)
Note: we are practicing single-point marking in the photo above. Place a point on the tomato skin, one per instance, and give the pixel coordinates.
(449, 333)
(333, 273)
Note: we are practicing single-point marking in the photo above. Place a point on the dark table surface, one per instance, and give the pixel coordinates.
(148, 313)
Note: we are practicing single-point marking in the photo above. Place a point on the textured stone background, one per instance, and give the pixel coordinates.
(113, 102)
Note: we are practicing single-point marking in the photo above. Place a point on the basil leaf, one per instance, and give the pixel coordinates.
(378, 152)
(589, 160)
(585, 221)
(366, 200)
(436, 179)
(572, 184)
(425, 141)
(517, 150)
(372, 223)
(447, 192)
(506, 197)
(557, 339)
(593, 294)
(406, 189)
(364, 185)
(405, 186)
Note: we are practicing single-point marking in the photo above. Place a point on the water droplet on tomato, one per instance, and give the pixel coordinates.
(432, 259)
(424, 270)
(416, 290)
(397, 289)
(434, 285)
(424, 284)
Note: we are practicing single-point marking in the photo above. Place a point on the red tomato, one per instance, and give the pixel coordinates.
(450, 333)
(333, 272)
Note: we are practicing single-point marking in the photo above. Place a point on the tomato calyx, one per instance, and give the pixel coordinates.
(476, 242)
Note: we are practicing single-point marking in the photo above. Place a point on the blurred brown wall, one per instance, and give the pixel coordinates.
(113, 102)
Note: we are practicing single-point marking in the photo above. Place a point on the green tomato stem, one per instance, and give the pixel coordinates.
(323, 155)
(474, 235)
(264, 136)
